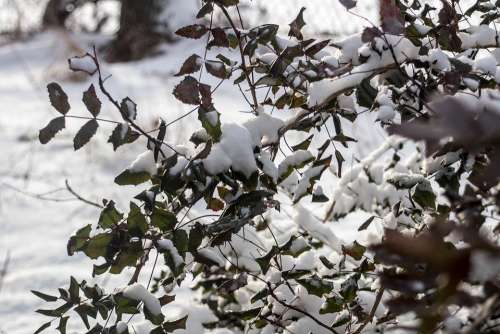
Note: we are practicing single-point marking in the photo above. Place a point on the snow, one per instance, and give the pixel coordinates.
(138, 292)
(84, 64)
(297, 158)
(438, 60)
(121, 327)
(479, 36)
(168, 246)
(308, 222)
(486, 64)
(145, 162)
(322, 91)
(234, 150)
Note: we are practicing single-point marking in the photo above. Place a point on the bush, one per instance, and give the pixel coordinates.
(430, 250)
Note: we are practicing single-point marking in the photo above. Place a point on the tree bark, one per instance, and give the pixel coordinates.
(56, 13)
(139, 32)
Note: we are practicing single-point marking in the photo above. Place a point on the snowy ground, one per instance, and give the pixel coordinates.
(34, 232)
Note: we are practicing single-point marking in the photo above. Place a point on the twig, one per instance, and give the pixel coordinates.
(5, 267)
(243, 61)
(369, 319)
(74, 193)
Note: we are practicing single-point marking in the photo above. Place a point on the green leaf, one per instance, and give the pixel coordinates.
(51, 129)
(171, 326)
(109, 216)
(128, 177)
(367, 223)
(210, 120)
(316, 286)
(97, 245)
(100, 269)
(163, 219)
(58, 311)
(332, 305)
(180, 241)
(79, 240)
(43, 327)
(85, 133)
(424, 195)
(195, 237)
(349, 287)
(47, 298)
(62, 325)
(85, 311)
(74, 290)
(91, 101)
(366, 94)
(265, 261)
(58, 98)
(260, 295)
(126, 258)
(156, 319)
(136, 221)
(355, 250)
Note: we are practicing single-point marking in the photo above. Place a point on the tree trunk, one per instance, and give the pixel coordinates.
(139, 32)
(56, 13)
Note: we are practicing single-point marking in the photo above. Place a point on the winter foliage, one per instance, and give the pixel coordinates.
(264, 255)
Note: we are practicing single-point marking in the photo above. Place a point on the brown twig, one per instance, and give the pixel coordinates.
(378, 299)
(74, 193)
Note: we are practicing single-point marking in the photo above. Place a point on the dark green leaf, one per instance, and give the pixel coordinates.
(51, 129)
(128, 177)
(58, 98)
(91, 101)
(367, 223)
(43, 327)
(85, 133)
(171, 326)
(47, 298)
(62, 325)
(136, 221)
(109, 216)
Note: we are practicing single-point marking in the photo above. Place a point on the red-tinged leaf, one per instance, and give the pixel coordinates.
(297, 25)
(188, 91)
(193, 31)
(58, 98)
(191, 65)
(91, 101)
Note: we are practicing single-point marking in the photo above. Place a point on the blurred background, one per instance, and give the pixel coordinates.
(38, 207)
